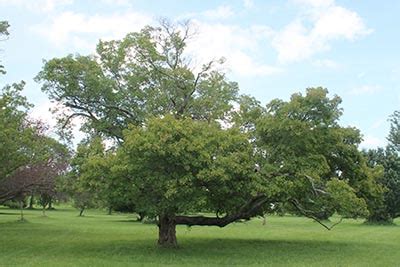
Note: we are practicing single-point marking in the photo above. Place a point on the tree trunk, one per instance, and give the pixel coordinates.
(50, 207)
(21, 206)
(109, 210)
(167, 231)
(31, 202)
(81, 212)
(140, 216)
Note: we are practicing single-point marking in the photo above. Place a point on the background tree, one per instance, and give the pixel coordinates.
(394, 133)
(14, 129)
(387, 208)
(75, 183)
(3, 35)
(392, 167)
(91, 179)
(49, 160)
(29, 160)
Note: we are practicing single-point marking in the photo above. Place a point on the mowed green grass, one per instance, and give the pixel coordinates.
(63, 239)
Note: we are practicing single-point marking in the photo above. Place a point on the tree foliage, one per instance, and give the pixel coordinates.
(15, 131)
(394, 133)
(178, 166)
(175, 167)
(387, 207)
(143, 75)
(76, 184)
(29, 160)
(3, 35)
(306, 151)
(4, 28)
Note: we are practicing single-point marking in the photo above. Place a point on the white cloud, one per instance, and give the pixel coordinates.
(366, 90)
(37, 5)
(320, 23)
(294, 44)
(83, 31)
(221, 12)
(238, 45)
(248, 4)
(371, 141)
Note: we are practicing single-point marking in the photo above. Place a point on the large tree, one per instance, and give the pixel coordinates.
(175, 159)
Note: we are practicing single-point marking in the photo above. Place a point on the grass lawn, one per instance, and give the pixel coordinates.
(63, 239)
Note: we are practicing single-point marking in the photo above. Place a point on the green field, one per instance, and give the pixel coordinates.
(63, 239)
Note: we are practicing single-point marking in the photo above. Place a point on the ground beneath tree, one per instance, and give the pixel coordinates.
(63, 239)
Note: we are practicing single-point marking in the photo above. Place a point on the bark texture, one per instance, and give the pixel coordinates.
(167, 231)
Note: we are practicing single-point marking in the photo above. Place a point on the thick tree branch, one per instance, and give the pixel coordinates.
(249, 210)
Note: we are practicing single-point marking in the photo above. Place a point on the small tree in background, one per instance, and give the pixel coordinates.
(30, 161)
(387, 208)
(73, 183)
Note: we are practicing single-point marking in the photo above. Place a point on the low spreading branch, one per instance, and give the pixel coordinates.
(249, 210)
(309, 214)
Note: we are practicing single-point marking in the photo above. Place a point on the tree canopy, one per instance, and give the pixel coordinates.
(127, 81)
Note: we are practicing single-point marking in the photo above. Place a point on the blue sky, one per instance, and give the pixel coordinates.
(273, 48)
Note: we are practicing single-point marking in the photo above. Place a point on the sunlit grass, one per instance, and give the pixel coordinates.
(64, 239)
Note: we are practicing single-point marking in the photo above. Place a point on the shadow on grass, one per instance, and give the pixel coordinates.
(380, 224)
(9, 213)
(15, 223)
(193, 250)
(232, 251)
(128, 221)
